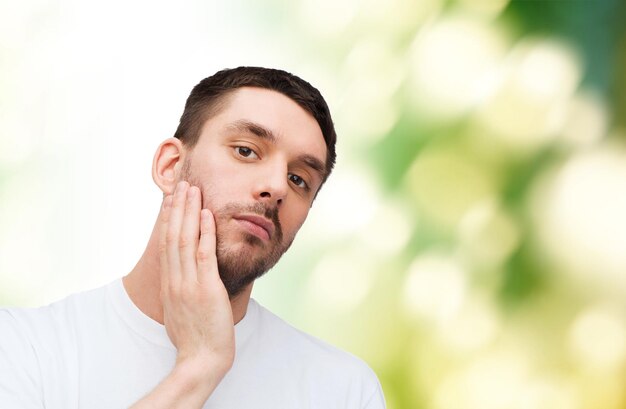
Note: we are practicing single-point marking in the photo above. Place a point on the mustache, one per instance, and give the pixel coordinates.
(260, 209)
(270, 213)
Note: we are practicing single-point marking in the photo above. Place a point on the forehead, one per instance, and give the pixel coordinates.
(289, 122)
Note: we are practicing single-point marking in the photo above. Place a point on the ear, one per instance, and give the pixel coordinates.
(167, 164)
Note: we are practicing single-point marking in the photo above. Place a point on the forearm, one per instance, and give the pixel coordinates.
(197, 312)
(189, 385)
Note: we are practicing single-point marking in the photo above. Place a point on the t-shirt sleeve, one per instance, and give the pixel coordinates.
(376, 399)
(20, 379)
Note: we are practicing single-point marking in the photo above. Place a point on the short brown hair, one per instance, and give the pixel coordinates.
(207, 97)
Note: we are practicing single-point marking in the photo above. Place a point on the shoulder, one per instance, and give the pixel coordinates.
(50, 317)
(44, 328)
(38, 349)
(20, 377)
(289, 360)
(317, 354)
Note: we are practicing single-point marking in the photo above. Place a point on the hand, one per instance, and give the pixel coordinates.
(196, 309)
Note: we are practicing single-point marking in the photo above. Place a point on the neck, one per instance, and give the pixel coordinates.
(143, 285)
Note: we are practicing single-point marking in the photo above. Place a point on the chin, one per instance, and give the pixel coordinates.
(244, 247)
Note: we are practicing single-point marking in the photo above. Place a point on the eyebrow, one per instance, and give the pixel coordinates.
(315, 164)
(258, 130)
(253, 128)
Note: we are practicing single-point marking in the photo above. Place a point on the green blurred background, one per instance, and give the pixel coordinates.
(471, 246)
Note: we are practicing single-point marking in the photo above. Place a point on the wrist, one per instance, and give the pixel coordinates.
(190, 383)
(198, 370)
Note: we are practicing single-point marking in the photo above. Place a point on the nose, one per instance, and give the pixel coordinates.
(271, 184)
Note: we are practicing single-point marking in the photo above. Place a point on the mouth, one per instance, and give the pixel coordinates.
(257, 225)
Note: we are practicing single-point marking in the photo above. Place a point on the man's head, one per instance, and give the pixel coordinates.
(210, 95)
(259, 143)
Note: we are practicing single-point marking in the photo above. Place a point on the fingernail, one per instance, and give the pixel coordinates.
(191, 192)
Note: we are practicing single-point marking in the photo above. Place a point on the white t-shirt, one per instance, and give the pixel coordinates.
(96, 349)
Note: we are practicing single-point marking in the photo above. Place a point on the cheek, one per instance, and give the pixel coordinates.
(213, 199)
(293, 222)
(216, 191)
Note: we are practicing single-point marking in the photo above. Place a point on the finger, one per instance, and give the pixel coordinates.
(207, 260)
(173, 234)
(164, 215)
(188, 243)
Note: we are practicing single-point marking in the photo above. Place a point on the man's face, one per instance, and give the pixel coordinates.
(258, 163)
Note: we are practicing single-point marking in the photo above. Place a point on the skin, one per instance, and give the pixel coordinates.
(176, 282)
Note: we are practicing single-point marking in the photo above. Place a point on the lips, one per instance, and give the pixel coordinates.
(257, 222)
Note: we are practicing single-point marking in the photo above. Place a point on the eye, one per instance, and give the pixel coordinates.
(245, 152)
(298, 181)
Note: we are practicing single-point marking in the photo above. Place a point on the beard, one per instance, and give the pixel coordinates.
(249, 257)
(242, 262)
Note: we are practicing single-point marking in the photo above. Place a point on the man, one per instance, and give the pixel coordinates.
(181, 330)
